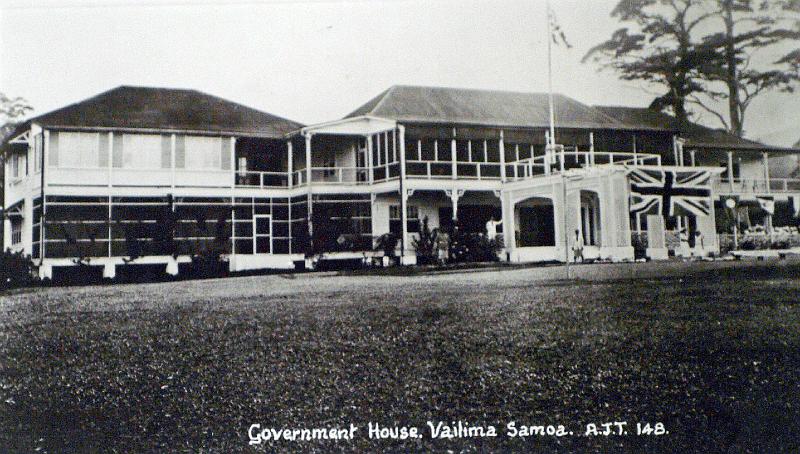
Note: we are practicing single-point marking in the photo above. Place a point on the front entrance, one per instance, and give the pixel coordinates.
(536, 225)
(262, 235)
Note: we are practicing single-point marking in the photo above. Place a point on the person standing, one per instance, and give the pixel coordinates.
(491, 228)
(699, 251)
(577, 249)
(683, 236)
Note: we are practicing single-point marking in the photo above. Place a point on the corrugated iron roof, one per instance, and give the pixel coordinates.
(696, 135)
(167, 109)
(484, 107)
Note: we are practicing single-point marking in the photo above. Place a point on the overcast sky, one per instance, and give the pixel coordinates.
(314, 61)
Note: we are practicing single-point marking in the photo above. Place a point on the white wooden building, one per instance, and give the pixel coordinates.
(154, 176)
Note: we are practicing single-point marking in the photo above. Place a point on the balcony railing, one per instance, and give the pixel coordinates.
(434, 170)
(340, 175)
(443, 170)
(262, 179)
(724, 185)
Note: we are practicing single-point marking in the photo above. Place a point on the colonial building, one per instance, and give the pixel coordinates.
(755, 175)
(156, 176)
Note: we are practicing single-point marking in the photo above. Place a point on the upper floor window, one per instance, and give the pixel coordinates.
(37, 153)
(145, 151)
(208, 153)
(75, 149)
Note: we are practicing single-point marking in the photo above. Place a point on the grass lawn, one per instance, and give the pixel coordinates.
(710, 350)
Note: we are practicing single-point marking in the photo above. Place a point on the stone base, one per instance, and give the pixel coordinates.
(617, 254)
(45, 271)
(408, 260)
(109, 271)
(660, 253)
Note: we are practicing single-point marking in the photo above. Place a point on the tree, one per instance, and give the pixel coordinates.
(10, 110)
(733, 74)
(661, 51)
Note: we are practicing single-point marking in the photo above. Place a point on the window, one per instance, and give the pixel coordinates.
(78, 150)
(37, 153)
(16, 230)
(14, 166)
(204, 153)
(396, 222)
(141, 151)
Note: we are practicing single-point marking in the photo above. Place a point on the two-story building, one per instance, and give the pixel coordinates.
(156, 176)
(752, 170)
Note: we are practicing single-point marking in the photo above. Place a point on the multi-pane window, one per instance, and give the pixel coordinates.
(396, 221)
(80, 150)
(16, 230)
(204, 153)
(141, 151)
(37, 153)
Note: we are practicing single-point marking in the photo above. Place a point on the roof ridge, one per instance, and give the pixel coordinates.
(383, 97)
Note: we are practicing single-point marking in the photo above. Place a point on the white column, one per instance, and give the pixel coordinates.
(173, 140)
(402, 151)
(289, 163)
(591, 148)
(308, 159)
(232, 153)
(765, 161)
(509, 226)
(501, 146)
(404, 220)
(6, 233)
(730, 170)
(691, 153)
(453, 158)
(369, 158)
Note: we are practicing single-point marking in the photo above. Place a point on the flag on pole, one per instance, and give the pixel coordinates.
(556, 32)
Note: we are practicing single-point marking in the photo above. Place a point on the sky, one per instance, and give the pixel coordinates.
(314, 61)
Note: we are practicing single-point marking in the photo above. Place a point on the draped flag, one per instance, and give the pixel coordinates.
(767, 203)
(556, 33)
(795, 204)
(673, 192)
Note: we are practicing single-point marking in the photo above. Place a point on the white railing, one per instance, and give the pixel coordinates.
(435, 170)
(262, 179)
(340, 175)
(724, 185)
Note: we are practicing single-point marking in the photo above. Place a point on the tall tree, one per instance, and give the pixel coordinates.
(661, 50)
(743, 30)
(11, 109)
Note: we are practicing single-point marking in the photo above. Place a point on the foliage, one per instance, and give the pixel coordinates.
(469, 247)
(16, 270)
(698, 52)
(731, 73)
(207, 258)
(425, 243)
(660, 51)
(387, 243)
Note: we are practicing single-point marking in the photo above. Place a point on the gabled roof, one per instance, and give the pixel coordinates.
(797, 145)
(483, 107)
(696, 135)
(127, 107)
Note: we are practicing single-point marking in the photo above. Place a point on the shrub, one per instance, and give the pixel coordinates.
(466, 247)
(16, 270)
(425, 243)
(387, 243)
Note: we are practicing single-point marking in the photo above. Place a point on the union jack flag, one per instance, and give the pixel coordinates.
(674, 192)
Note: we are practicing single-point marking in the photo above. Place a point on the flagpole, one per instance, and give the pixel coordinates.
(550, 77)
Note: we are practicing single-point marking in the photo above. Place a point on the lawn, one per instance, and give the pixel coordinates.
(710, 350)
